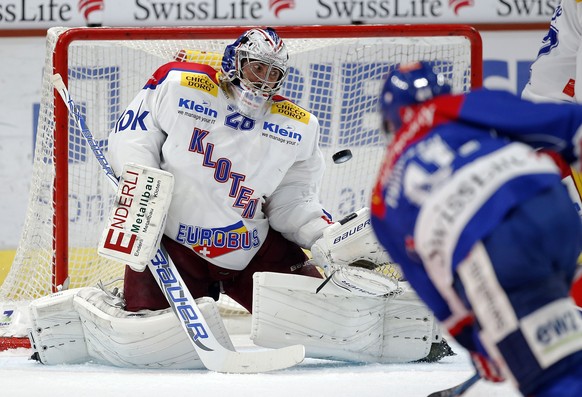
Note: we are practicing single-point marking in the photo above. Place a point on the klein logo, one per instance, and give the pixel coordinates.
(456, 5)
(202, 108)
(92, 11)
(278, 130)
(279, 5)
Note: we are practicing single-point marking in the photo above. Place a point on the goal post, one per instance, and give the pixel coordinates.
(336, 72)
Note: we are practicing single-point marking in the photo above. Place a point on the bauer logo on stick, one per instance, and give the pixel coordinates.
(138, 216)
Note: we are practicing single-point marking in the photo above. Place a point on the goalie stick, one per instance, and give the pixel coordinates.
(458, 390)
(213, 355)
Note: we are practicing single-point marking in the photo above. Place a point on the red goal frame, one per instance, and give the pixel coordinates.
(60, 64)
(60, 60)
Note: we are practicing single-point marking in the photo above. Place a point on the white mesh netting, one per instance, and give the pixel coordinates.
(337, 79)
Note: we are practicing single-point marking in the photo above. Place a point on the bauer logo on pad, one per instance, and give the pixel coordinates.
(137, 219)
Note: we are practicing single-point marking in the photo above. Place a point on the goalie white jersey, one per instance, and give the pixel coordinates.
(556, 74)
(234, 176)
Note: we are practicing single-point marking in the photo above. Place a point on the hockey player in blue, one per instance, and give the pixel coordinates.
(483, 228)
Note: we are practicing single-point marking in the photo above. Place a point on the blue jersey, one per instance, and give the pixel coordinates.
(456, 168)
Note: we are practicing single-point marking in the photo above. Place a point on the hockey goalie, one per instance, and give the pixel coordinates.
(362, 311)
(196, 149)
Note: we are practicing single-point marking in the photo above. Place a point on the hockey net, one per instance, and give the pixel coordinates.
(336, 73)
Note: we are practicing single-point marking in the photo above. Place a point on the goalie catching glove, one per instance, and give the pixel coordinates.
(138, 217)
(348, 252)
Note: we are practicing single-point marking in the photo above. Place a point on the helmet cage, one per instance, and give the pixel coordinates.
(262, 75)
(255, 65)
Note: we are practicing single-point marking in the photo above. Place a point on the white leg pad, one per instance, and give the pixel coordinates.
(57, 333)
(84, 326)
(339, 325)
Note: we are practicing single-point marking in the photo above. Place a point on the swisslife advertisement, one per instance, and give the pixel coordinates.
(40, 14)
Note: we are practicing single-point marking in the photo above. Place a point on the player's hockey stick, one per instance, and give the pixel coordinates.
(213, 355)
(458, 390)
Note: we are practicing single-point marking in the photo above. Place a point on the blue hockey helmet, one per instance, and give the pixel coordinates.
(254, 68)
(409, 85)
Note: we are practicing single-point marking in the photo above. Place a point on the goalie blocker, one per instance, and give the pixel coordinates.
(348, 252)
(138, 217)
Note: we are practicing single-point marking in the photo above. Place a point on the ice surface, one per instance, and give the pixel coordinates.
(22, 377)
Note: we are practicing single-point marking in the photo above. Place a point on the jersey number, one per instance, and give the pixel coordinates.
(237, 121)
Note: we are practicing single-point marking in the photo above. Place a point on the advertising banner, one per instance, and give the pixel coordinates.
(41, 14)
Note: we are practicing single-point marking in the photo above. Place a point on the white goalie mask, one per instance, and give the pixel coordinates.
(254, 68)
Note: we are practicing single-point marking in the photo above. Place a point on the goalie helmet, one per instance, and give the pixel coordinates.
(254, 68)
(409, 85)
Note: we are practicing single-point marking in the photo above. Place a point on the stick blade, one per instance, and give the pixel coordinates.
(457, 390)
(252, 362)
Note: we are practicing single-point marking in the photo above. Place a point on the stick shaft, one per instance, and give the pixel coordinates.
(213, 355)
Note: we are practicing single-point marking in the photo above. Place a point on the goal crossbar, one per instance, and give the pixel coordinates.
(337, 72)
